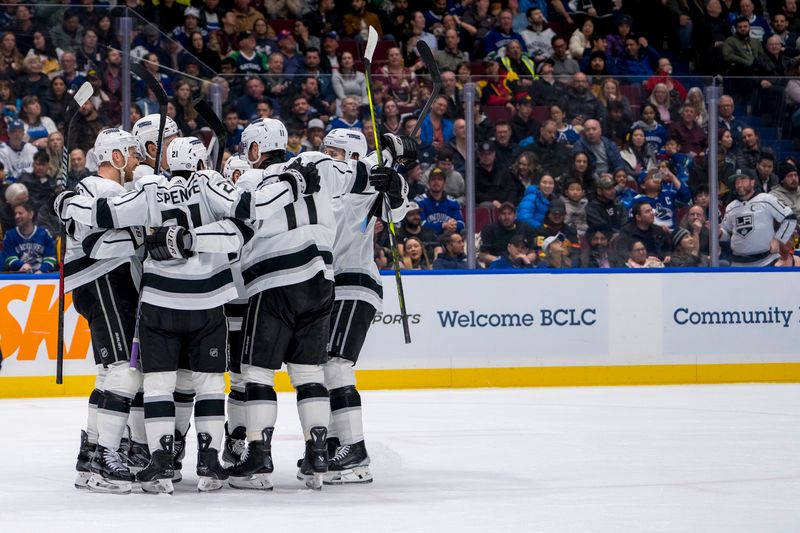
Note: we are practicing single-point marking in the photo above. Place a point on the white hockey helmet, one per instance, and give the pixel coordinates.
(146, 130)
(268, 133)
(352, 142)
(110, 140)
(235, 162)
(185, 153)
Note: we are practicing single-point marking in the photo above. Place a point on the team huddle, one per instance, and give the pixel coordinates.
(268, 263)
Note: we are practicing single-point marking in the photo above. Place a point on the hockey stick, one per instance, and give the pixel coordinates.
(207, 113)
(436, 78)
(79, 98)
(372, 42)
(161, 95)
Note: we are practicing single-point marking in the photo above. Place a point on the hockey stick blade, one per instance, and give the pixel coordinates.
(372, 42)
(436, 78)
(84, 93)
(207, 113)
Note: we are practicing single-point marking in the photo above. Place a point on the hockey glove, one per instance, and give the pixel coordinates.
(173, 242)
(387, 180)
(304, 179)
(402, 147)
(61, 203)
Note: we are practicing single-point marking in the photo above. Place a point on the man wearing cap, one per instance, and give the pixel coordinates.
(554, 223)
(16, 155)
(191, 24)
(438, 211)
(538, 35)
(604, 209)
(246, 16)
(546, 90)
(455, 186)
(411, 226)
(494, 183)
(293, 62)
(663, 191)
(750, 221)
(516, 255)
(603, 153)
(555, 252)
(249, 61)
(315, 133)
(788, 192)
(495, 236)
(523, 125)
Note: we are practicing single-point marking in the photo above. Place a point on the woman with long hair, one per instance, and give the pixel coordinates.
(55, 149)
(533, 207)
(347, 81)
(89, 54)
(581, 170)
(655, 133)
(694, 98)
(637, 154)
(463, 74)
(610, 92)
(566, 132)
(579, 41)
(526, 169)
(10, 56)
(197, 47)
(660, 100)
(414, 255)
(105, 31)
(398, 80)
(48, 55)
(390, 118)
(185, 115)
(37, 127)
(8, 101)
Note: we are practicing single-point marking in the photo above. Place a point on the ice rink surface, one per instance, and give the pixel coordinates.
(624, 459)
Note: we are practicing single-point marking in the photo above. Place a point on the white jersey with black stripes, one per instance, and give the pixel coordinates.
(298, 242)
(204, 198)
(750, 227)
(93, 252)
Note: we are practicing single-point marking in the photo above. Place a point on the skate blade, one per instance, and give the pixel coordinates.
(208, 484)
(159, 486)
(313, 481)
(251, 482)
(99, 484)
(177, 477)
(358, 474)
(82, 480)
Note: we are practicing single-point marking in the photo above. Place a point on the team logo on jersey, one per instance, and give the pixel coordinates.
(103, 352)
(213, 352)
(744, 225)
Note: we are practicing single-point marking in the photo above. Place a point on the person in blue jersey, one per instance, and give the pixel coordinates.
(438, 211)
(28, 248)
(662, 190)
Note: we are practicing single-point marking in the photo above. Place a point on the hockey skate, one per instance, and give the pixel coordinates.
(156, 477)
(110, 474)
(333, 445)
(84, 461)
(180, 453)
(138, 456)
(209, 469)
(349, 465)
(235, 444)
(255, 466)
(315, 460)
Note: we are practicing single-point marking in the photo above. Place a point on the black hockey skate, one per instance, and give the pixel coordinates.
(315, 460)
(333, 445)
(180, 453)
(254, 469)
(156, 477)
(209, 469)
(138, 456)
(110, 474)
(84, 461)
(349, 465)
(235, 444)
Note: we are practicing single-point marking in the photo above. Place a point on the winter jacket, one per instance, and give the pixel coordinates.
(434, 213)
(637, 68)
(445, 262)
(554, 158)
(615, 162)
(604, 213)
(426, 130)
(533, 207)
(792, 199)
(584, 104)
(576, 215)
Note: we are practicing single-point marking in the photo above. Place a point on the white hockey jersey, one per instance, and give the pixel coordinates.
(17, 162)
(750, 227)
(206, 199)
(93, 252)
(355, 271)
(297, 243)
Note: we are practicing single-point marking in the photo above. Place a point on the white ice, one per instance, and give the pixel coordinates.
(639, 459)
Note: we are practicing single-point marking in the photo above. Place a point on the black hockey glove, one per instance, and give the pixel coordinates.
(61, 203)
(304, 179)
(172, 242)
(402, 147)
(388, 181)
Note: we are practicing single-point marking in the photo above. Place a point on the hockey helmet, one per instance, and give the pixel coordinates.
(185, 153)
(268, 133)
(234, 163)
(146, 131)
(352, 142)
(110, 140)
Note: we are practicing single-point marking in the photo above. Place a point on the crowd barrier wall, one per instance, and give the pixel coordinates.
(546, 328)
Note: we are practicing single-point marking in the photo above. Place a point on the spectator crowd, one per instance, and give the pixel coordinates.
(591, 125)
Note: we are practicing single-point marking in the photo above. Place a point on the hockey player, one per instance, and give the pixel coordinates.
(287, 270)
(234, 167)
(146, 132)
(358, 297)
(185, 284)
(749, 224)
(103, 272)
